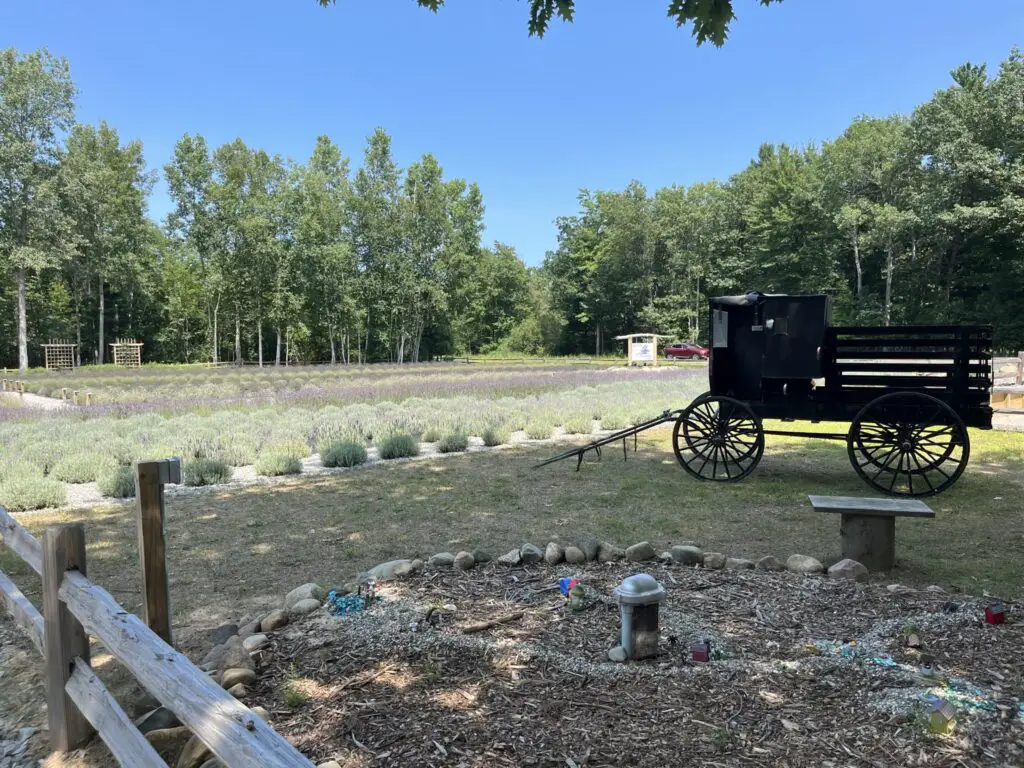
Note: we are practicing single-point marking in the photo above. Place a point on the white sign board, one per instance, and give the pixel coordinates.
(643, 352)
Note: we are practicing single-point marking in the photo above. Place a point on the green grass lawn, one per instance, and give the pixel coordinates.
(238, 551)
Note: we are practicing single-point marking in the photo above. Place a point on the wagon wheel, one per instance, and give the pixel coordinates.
(718, 438)
(908, 444)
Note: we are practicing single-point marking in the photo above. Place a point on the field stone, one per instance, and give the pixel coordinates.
(223, 632)
(512, 557)
(617, 654)
(739, 564)
(274, 620)
(305, 607)
(591, 547)
(714, 560)
(640, 551)
(388, 571)
(609, 553)
(464, 561)
(554, 553)
(309, 591)
(442, 560)
(238, 690)
(530, 554)
(168, 741)
(159, 719)
(769, 563)
(235, 655)
(255, 642)
(193, 755)
(665, 557)
(237, 675)
(406, 569)
(935, 588)
(481, 556)
(850, 570)
(575, 556)
(900, 589)
(329, 764)
(249, 629)
(803, 564)
(686, 554)
(212, 658)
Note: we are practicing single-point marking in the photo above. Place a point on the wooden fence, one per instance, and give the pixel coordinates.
(75, 608)
(1009, 371)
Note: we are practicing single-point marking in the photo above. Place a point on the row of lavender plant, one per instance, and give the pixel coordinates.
(42, 454)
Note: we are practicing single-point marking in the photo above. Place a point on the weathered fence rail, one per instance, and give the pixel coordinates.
(78, 704)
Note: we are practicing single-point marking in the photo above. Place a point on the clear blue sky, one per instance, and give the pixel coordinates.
(595, 104)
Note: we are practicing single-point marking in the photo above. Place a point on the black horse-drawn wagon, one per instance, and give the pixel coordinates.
(909, 393)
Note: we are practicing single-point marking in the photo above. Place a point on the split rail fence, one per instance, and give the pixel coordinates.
(75, 608)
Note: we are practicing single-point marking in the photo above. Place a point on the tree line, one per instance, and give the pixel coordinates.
(903, 220)
(261, 258)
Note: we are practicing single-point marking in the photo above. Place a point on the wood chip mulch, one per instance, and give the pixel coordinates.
(810, 672)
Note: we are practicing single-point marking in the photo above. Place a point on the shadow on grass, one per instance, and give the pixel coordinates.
(236, 553)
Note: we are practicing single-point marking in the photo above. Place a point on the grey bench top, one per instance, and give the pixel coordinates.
(860, 505)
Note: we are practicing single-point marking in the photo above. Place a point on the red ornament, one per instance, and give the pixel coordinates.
(995, 614)
(701, 652)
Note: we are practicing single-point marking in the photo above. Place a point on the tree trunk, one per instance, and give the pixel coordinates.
(401, 348)
(597, 339)
(277, 354)
(334, 357)
(259, 339)
(856, 264)
(99, 338)
(287, 346)
(238, 338)
(22, 322)
(216, 340)
(78, 339)
(359, 346)
(888, 286)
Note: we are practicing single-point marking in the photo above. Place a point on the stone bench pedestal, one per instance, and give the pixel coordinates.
(867, 530)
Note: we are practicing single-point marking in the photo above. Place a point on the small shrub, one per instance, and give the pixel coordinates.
(275, 463)
(539, 430)
(432, 433)
(614, 419)
(398, 446)
(118, 483)
(495, 436)
(292, 695)
(240, 451)
(22, 492)
(197, 472)
(345, 455)
(453, 442)
(82, 467)
(578, 424)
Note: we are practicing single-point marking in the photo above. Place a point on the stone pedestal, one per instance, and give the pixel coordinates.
(870, 540)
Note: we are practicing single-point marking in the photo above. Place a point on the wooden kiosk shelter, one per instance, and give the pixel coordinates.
(60, 355)
(127, 353)
(641, 348)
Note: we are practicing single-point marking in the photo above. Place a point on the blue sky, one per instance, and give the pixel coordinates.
(595, 104)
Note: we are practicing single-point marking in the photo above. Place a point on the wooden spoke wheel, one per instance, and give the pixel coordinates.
(718, 438)
(908, 444)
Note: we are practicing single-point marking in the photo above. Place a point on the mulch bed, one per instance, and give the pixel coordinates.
(402, 684)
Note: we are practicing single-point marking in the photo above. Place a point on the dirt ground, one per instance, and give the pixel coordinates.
(391, 687)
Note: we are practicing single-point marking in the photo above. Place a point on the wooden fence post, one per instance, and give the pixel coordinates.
(65, 638)
(1020, 368)
(150, 477)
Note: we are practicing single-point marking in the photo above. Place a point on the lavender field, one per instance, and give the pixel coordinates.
(218, 420)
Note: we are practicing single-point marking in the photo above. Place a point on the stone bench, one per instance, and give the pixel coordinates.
(868, 526)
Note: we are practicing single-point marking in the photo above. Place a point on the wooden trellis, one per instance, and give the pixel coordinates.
(127, 353)
(60, 355)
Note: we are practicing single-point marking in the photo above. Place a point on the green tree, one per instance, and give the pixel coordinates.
(36, 105)
(191, 186)
(710, 18)
(104, 186)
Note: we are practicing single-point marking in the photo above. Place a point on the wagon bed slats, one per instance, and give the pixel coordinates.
(877, 353)
(911, 382)
(865, 366)
(957, 331)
